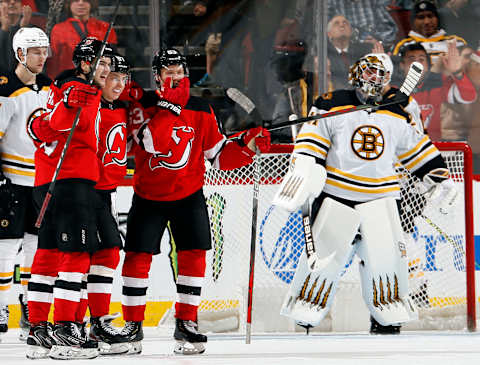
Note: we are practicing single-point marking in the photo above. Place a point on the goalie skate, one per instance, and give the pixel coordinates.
(188, 340)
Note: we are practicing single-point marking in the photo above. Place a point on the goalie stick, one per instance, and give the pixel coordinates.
(91, 76)
(411, 80)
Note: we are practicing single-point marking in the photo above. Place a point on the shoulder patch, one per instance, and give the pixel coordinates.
(335, 99)
(3, 80)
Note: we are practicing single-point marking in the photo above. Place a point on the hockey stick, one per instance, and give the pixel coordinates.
(91, 76)
(411, 80)
(253, 241)
(440, 231)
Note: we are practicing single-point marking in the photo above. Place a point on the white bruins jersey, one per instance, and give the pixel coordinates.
(18, 104)
(359, 149)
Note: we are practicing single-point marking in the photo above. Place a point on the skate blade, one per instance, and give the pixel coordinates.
(135, 348)
(70, 352)
(189, 348)
(106, 349)
(37, 352)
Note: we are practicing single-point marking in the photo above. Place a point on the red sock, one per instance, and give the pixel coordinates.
(191, 272)
(135, 283)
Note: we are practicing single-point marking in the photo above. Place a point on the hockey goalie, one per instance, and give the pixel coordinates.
(344, 165)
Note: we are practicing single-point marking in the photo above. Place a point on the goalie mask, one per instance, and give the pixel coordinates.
(88, 49)
(26, 38)
(171, 60)
(368, 77)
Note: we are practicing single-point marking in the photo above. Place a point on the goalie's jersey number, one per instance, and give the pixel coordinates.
(368, 142)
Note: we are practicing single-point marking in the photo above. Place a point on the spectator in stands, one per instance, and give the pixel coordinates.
(369, 18)
(66, 35)
(342, 50)
(13, 15)
(434, 88)
(461, 17)
(296, 94)
(426, 30)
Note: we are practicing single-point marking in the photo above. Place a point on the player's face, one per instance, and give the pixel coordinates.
(415, 56)
(175, 72)
(36, 57)
(103, 69)
(426, 23)
(80, 8)
(114, 85)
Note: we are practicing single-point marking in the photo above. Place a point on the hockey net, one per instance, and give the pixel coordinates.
(440, 250)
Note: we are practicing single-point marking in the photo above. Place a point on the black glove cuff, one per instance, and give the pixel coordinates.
(173, 108)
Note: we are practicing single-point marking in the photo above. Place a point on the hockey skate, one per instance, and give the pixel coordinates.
(110, 341)
(133, 331)
(4, 314)
(189, 340)
(378, 329)
(39, 341)
(23, 323)
(71, 344)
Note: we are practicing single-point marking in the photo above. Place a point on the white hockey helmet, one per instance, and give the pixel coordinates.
(26, 38)
(386, 61)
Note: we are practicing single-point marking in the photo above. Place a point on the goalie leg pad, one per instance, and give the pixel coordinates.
(311, 293)
(384, 263)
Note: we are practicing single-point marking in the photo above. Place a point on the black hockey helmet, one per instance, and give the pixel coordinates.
(119, 64)
(87, 50)
(167, 57)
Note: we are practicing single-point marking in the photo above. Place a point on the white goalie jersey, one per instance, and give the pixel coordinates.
(359, 149)
(18, 104)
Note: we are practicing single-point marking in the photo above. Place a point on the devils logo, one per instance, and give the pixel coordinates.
(177, 157)
(115, 143)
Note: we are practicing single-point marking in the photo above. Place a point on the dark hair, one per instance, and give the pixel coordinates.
(414, 47)
(93, 6)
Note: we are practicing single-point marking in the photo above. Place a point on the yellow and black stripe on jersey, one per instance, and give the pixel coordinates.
(361, 184)
(13, 86)
(312, 144)
(423, 152)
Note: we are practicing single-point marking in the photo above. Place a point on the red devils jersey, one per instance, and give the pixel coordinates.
(81, 156)
(112, 146)
(177, 170)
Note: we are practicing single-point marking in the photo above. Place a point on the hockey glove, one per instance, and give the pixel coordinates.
(80, 96)
(131, 92)
(174, 99)
(260, 138)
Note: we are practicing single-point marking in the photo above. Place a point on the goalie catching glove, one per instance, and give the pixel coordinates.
(304, 180)
(172, 98)
(441, 193)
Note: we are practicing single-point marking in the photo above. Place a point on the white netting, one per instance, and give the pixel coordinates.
(435, 244)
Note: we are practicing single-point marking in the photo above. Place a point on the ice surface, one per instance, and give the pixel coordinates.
(418, 348)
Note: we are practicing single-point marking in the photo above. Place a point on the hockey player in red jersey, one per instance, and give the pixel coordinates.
(168, 182)
(68, 233)
(112, 159)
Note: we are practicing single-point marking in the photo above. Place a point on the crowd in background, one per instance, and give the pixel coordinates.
(268, 49)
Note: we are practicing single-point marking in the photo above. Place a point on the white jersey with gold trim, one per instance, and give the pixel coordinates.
(18, 104)
(359, 149)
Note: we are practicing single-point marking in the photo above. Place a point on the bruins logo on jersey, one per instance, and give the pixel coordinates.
(3, 80)
(368, 142)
